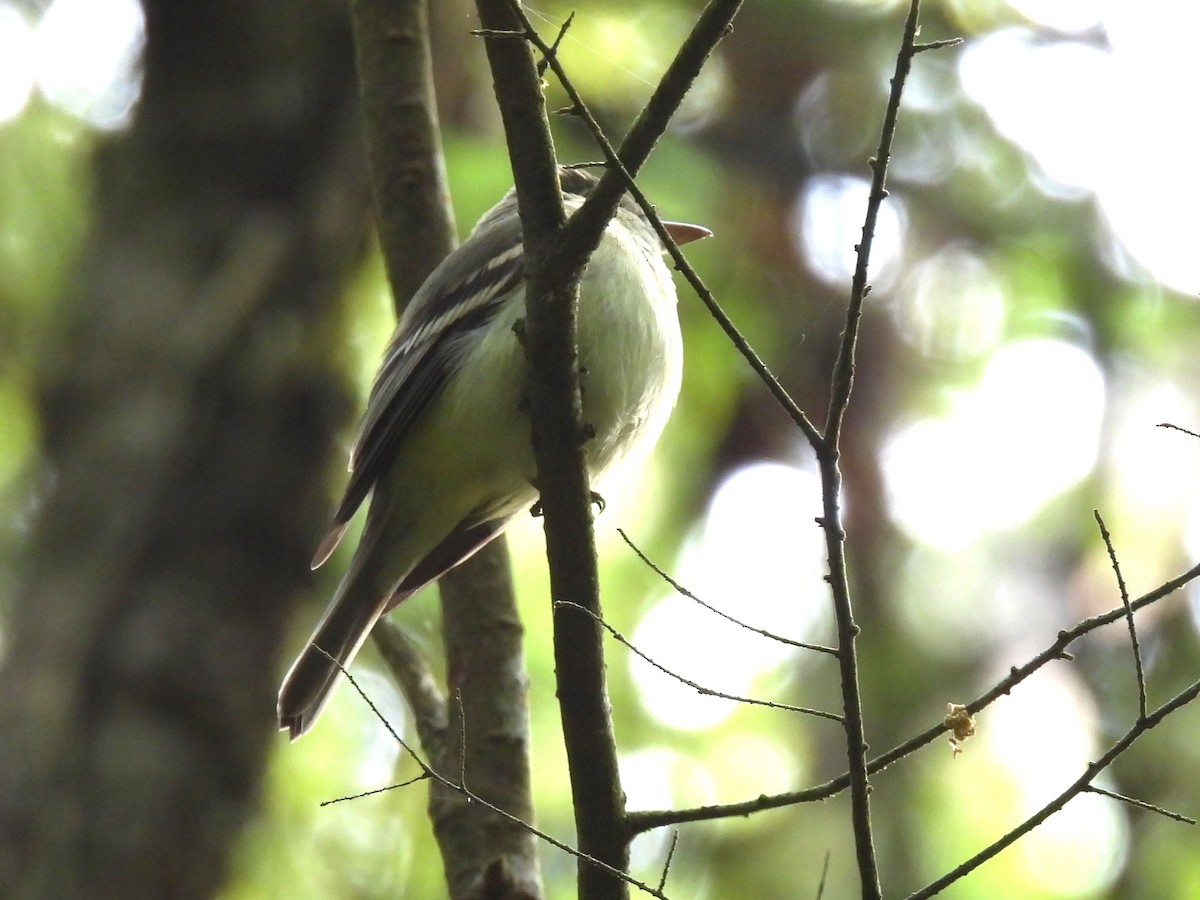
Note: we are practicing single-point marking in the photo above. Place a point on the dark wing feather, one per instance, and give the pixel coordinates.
(461, 295)
(464, 542)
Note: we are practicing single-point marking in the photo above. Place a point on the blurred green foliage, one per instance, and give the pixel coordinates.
(939, 625)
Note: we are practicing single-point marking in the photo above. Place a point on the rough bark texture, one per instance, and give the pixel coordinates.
(187, 414)
(486, 856)
(483, 854)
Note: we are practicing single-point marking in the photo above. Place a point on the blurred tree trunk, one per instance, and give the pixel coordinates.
(188, 412)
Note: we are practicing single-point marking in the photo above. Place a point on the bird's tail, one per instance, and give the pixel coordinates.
(356, 605)
(368, 590)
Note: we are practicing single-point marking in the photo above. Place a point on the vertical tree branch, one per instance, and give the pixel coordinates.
(1138, 669)
(828, 452)
(558, 439)
(487, 857)
(483, 854)
(412, 198)
(554, 258)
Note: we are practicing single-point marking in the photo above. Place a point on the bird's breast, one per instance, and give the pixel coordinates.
(630, 349)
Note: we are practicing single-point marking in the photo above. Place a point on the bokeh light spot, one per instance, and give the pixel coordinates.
(1029, 431)
(88, 58)
(827, 224)
(951, 305)
(16, 62)
(759, 559)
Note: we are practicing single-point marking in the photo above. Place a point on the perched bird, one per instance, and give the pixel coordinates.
(444, 449)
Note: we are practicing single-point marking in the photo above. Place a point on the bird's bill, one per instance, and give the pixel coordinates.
(683, 233)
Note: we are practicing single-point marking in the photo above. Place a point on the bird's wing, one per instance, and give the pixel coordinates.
(461, 295)
(464, 542)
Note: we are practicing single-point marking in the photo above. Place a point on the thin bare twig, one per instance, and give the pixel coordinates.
(1140, 804)
(1077, 787)
(553, 51)
(1178, 428)
(361, 795)
(613, 161)
(507, 33)
(937, 45)
(827, 448)
(1139, 670)
(699, 688)
(415, 679)
(662, 882)
(427, 771)
(679, 588)
(646, 820)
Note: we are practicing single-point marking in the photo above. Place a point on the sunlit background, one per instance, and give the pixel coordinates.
(1033, 321)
